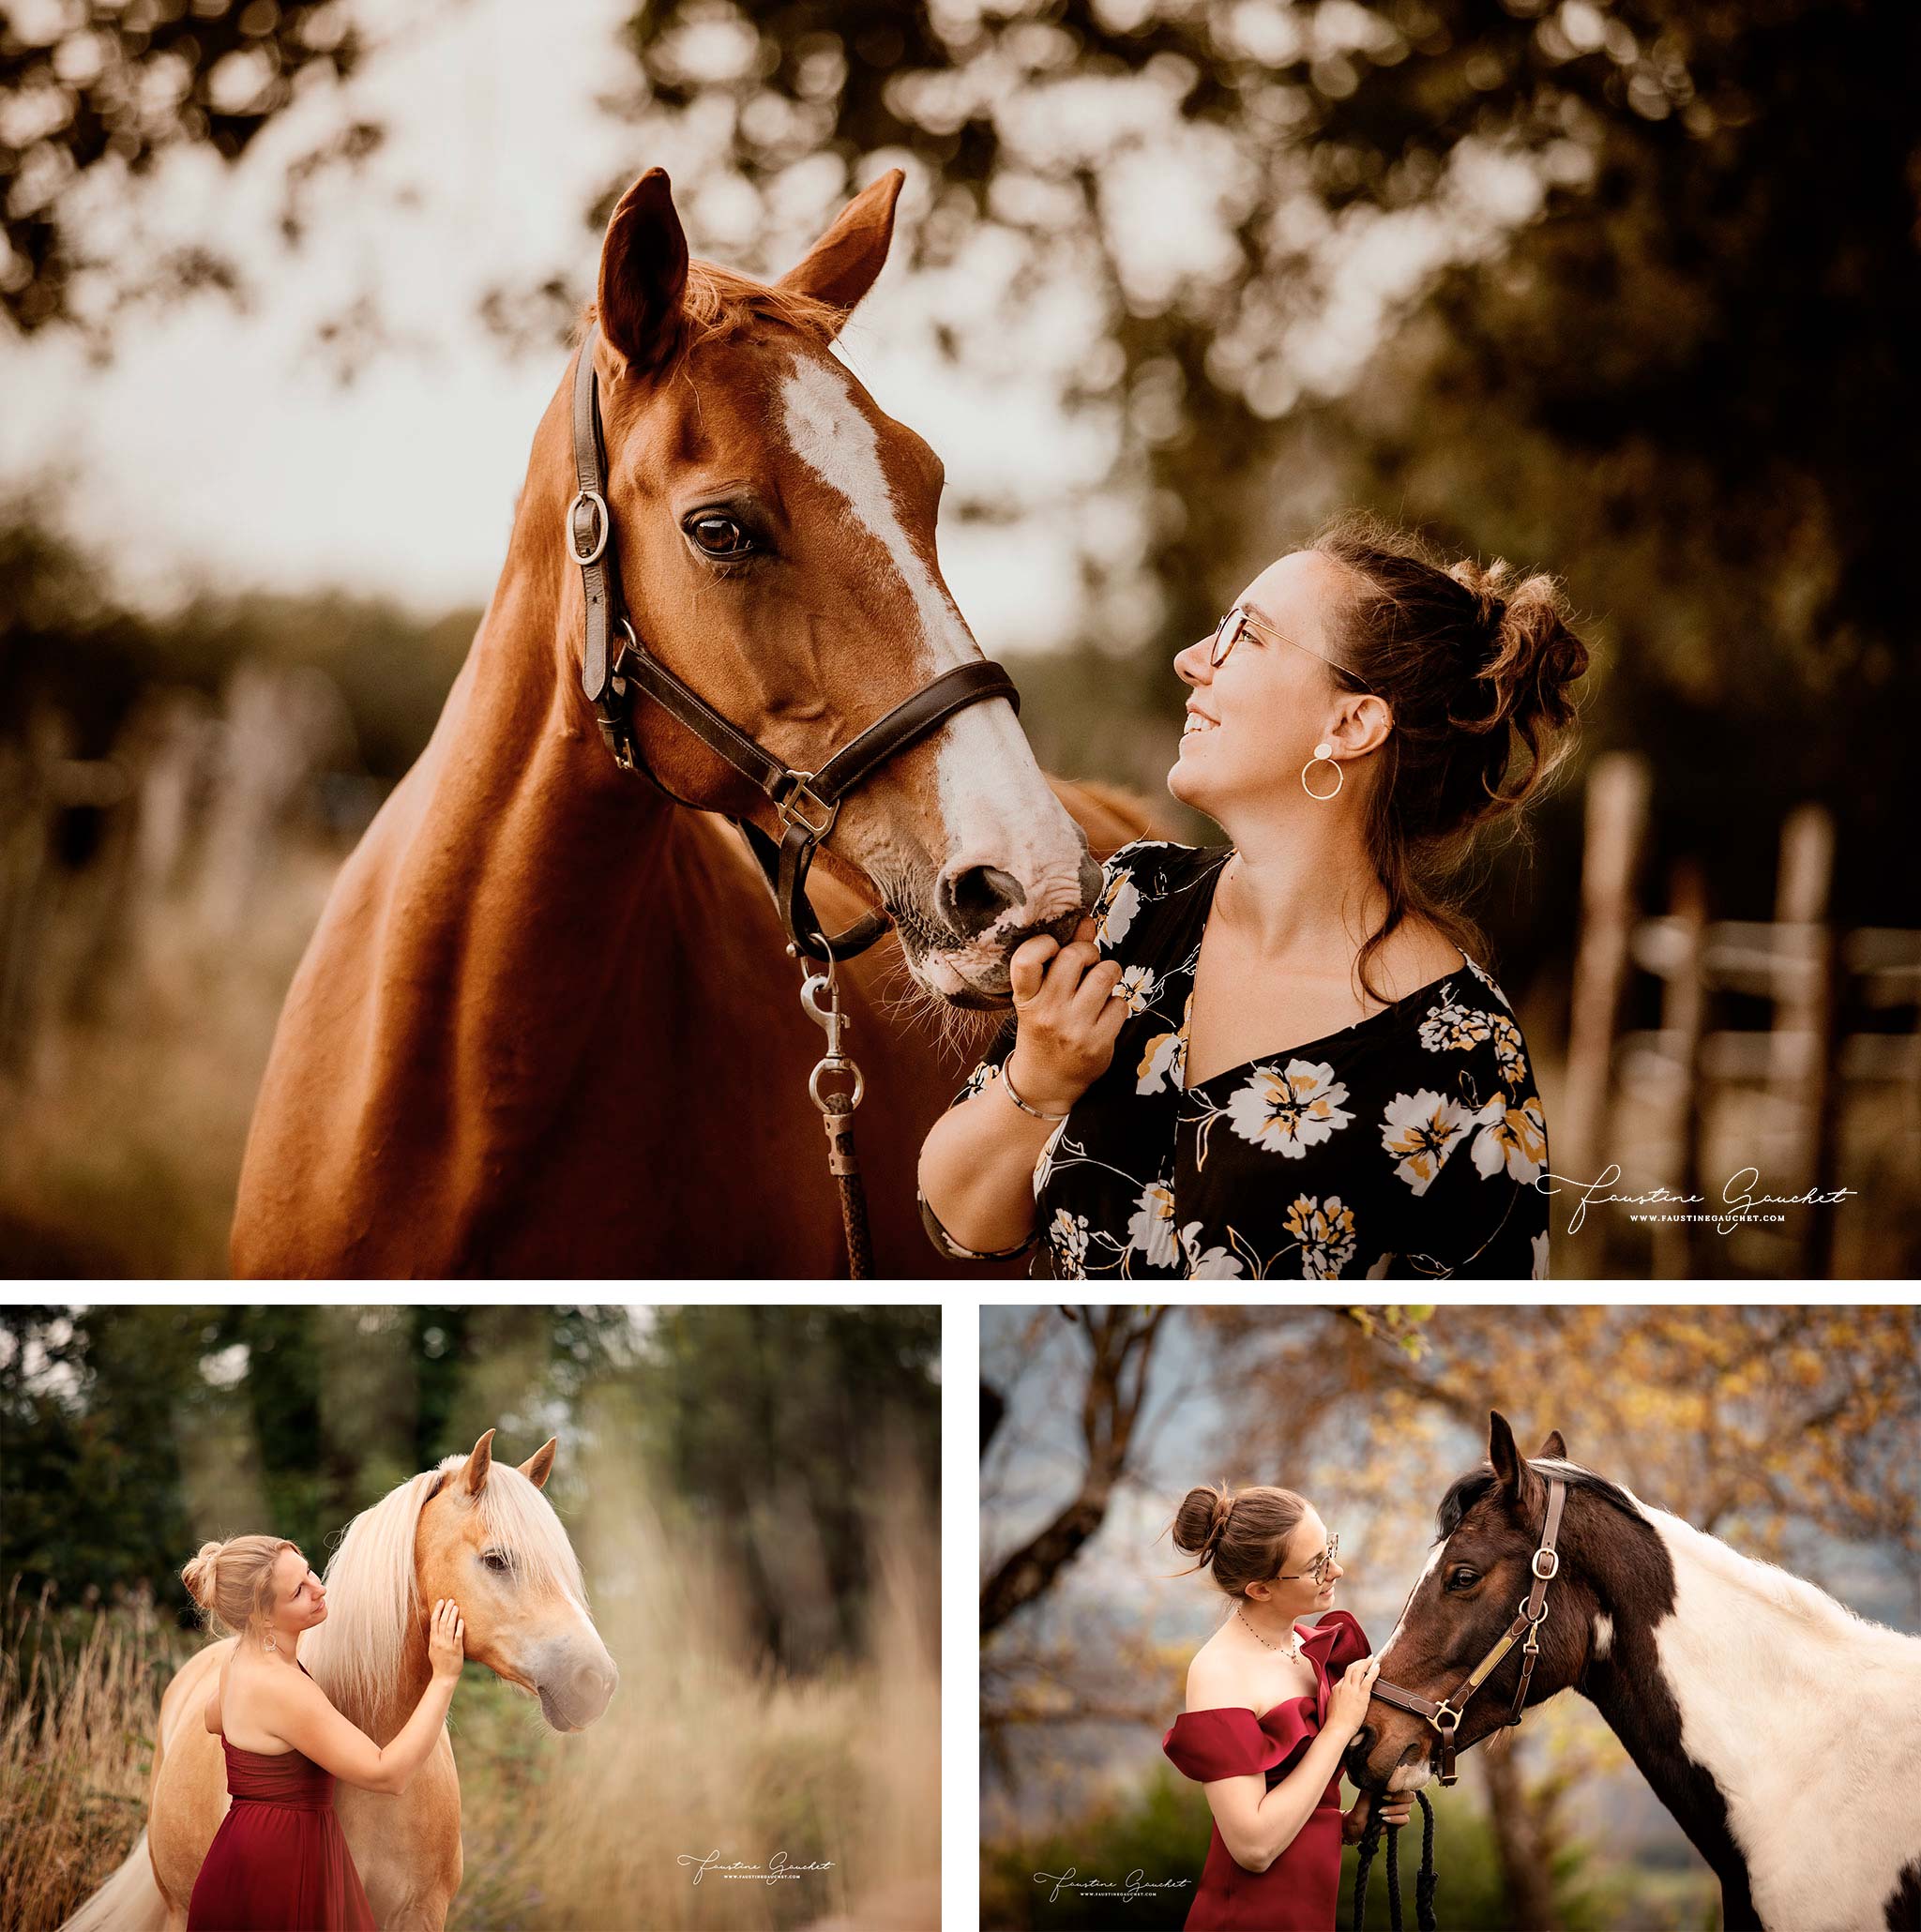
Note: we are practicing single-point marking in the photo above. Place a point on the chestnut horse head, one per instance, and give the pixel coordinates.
(482, 1533)
(1490, 1526)
(776, 541)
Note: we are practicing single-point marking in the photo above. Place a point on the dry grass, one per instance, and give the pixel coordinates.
(79, 1702)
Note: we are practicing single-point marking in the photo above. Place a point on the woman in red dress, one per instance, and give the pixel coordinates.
(279, 1861)
(1271, 1708)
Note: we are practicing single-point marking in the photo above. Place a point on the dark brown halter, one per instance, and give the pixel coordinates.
(807, 803)
(1444, 1717)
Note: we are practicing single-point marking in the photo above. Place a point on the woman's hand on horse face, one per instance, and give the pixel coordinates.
(446, 1639)
(1067, 1015)
(1347, 1710)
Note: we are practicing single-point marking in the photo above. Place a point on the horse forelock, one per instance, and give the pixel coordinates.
(1467, 1490)
(720, 301)
(519, 1521)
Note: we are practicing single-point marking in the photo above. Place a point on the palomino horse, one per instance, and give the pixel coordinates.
(472, 1530)
(547, 1025)
(1782, 1731)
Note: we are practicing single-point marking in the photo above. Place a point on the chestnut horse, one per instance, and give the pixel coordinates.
(547, 1024)
(472, 1530)
(1782, 1731)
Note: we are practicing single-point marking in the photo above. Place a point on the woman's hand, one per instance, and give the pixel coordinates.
(447, 1638)
(1347, 1709)
(1391, 1807)
(1066, 1017)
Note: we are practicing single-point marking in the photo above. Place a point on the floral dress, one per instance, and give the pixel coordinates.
(1405, 1145)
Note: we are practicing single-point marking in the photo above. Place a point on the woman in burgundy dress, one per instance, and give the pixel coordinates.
(279, 1860)
(1271, 1708)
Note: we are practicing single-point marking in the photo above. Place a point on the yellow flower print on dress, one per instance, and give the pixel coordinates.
(1151, 1231)
(1451, 1024)
(1164, 1058)
(1289, 1112)
(1421, 1131)
(1508, 1054)
(1207, 1264)
(1067, 1235)
(1514, 1137)
(1138, 986)
(1325, 1230)
(1114, 912)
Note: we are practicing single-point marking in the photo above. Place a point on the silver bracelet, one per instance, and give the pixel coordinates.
(1015, 1097)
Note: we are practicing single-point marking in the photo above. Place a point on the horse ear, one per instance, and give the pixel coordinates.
(842, 266)
(643, 273)
(540, 1465)
(473, 1477)
(1553, 1446)
(1502, 1454)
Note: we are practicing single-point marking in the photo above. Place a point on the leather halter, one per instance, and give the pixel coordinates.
(806, 803)
(1444, 1717)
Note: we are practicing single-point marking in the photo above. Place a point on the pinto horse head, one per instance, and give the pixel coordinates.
(1480, 1572)
(776, 549)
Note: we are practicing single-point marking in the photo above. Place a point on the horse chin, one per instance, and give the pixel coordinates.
(556, 1718)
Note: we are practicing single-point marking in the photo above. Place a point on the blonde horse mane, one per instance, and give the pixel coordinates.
(357, 1655)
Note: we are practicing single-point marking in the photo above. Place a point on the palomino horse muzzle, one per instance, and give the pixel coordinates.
(1444, 1718)
(805, 803)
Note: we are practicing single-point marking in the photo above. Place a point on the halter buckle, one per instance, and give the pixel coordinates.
(1552, 1559)
(1451, 1714)
(793, 805)
(603, 525)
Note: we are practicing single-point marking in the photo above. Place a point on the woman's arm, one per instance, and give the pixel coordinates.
(977, 1165)
(1258, 1824)
(311, 1724)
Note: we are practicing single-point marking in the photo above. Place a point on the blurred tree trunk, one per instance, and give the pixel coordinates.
(1121, 1341)
(1522, 1842)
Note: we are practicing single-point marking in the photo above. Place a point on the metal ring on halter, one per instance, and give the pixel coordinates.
(1321, 756)
(835, 1062)
(605, 527)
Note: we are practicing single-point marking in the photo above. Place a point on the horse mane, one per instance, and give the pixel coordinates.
(1465, 1492)
(357, 1654)
(718, 301)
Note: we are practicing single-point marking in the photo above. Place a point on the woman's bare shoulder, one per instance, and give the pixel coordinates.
(1215, 1678)
(1415, 954)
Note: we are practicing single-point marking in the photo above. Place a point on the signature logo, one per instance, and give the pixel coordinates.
(1739, 1202)
(777, 1867)
(1135, 1885)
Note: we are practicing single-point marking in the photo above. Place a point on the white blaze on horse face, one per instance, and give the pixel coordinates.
(996, 808)
(1809, 1720)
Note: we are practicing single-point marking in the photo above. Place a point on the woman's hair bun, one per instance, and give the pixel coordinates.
(1200, 1519)
(198, 1576)
(1533, 656)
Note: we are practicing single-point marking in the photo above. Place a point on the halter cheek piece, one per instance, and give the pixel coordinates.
(1444, 1717)
(806, 803)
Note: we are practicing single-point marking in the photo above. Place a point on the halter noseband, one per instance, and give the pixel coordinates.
(806, 803)
(1444, 1717)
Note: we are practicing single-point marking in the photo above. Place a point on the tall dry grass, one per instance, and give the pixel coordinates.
(80, 1700)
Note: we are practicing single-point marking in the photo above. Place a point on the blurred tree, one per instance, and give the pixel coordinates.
(92, 96)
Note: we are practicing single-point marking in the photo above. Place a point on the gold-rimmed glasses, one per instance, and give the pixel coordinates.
(1227, 633)
(1317, 1571)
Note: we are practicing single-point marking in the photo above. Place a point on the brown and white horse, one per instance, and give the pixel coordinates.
(472, 1530)
(547, 1025)
(1782, 1730)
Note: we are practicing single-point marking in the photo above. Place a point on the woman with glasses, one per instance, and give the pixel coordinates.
(1277, 1056)
(1272, 1706)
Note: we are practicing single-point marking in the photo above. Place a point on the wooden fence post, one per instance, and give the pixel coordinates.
(1684, 1021)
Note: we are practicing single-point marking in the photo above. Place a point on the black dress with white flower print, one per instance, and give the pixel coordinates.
(1405, 1145)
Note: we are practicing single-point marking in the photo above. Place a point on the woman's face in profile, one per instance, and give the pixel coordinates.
(299, 1595)
(1253, 720)
(1294, 1591)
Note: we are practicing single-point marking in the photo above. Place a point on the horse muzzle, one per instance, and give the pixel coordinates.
(572, 1699)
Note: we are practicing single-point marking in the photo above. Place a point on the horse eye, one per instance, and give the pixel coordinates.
(495, 1562)
(719, 536)
(1462, 1578)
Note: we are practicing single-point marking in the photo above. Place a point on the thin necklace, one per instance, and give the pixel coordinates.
(1259, 1639)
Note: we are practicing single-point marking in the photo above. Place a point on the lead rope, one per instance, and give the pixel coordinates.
(837, 1107)
(1424, 1883)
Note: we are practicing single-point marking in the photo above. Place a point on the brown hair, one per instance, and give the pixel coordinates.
(233, 1583)
(1474, 662)
(1242, 1535)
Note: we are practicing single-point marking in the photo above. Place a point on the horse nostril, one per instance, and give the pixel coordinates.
(1363, 1742)
(973, 899)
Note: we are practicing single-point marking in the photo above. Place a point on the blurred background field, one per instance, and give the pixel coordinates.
(1609, 285)
(1793, 1434)
(761, 1553)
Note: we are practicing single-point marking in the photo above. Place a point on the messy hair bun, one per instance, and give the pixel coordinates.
(232, 1581)
(1240, 1535)
(1476, 663)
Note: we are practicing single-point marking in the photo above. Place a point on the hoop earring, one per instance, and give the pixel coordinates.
(1322, 752)
(266, 1643)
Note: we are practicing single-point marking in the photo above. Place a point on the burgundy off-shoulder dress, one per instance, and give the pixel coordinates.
(1300, 1891)
(279, 1861)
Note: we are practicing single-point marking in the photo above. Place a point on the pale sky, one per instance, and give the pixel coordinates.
(220, 446)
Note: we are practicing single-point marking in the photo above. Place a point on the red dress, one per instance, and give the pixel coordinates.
(279, 1860)
(1300, 1891)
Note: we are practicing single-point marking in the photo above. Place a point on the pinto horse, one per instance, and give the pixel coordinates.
(1782, 1731)
(471, 1529)
(547, 1024)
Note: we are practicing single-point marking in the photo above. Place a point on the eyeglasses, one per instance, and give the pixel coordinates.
(1227, 633)
(1316, 1571)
